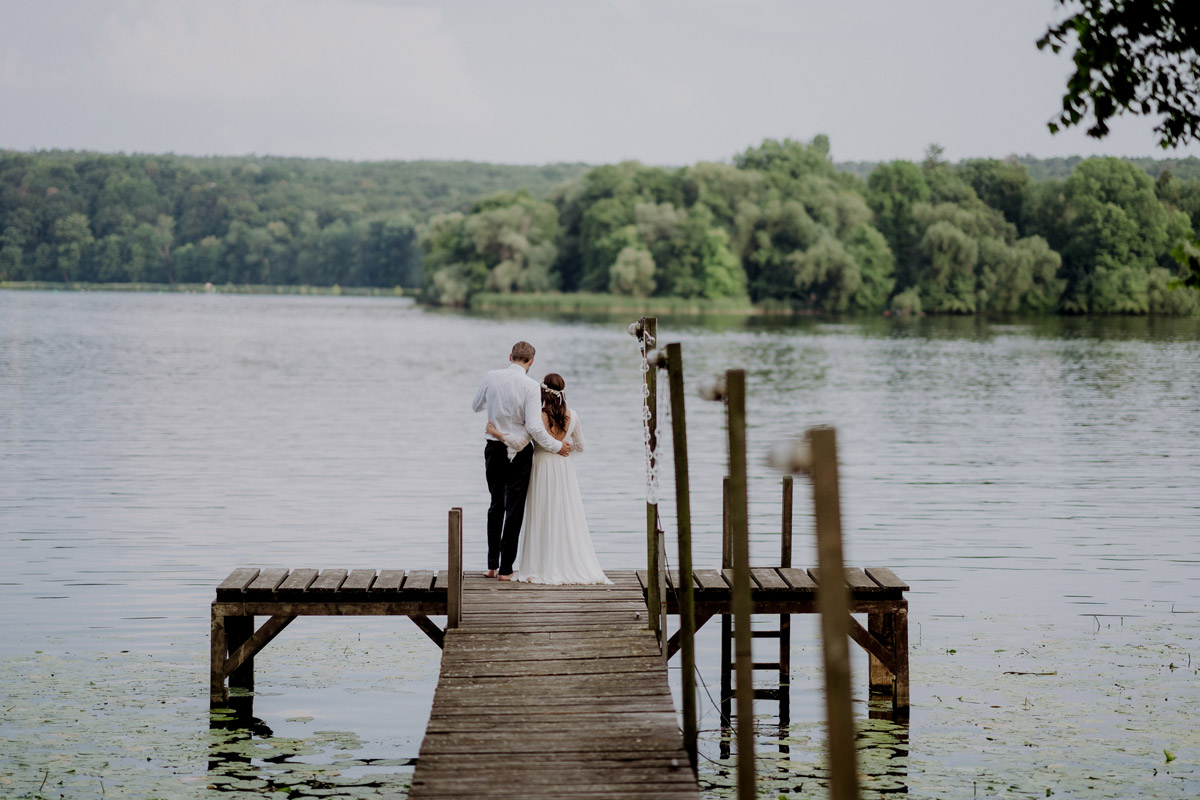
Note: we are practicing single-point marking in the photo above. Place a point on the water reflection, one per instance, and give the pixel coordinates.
(246, 757)
(790, 761)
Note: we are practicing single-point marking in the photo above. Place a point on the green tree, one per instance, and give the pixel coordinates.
(508, 243)
(633, 273)
(73, 242)
(1115, 231)
(892, 192)
(1002, 185)
(722, 272)
(1137, 56)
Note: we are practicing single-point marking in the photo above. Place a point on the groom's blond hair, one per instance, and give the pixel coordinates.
(523, 351)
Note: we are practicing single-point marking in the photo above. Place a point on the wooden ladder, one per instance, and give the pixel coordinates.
(783, 667)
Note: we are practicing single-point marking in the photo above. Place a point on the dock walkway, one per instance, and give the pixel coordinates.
(553, 691)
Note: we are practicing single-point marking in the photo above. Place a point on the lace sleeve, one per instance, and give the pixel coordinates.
(517, 442)
(576, 435)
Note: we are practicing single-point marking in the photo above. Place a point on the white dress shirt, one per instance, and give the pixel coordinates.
(514, 404)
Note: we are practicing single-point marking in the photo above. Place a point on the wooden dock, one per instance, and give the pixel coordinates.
(553, 691)
(547, 691)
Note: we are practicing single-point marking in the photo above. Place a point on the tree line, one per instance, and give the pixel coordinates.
(90, 217)
(781, 225)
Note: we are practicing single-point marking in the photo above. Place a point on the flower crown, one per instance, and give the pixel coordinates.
(554, 392)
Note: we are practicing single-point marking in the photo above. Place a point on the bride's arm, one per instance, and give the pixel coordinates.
(516, 441)
(577, 434)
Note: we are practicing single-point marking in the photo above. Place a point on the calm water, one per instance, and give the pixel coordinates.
(1038, 485)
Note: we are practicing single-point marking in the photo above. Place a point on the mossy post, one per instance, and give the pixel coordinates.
(683, 515)
(735, 399)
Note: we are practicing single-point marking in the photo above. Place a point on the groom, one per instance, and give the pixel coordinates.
(514, 404)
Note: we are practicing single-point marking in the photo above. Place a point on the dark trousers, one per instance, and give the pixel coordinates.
(508, 482)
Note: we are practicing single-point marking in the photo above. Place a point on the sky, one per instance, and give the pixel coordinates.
(665, 82)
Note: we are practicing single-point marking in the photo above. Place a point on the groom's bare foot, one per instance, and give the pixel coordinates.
(507, 577)
(491, 573)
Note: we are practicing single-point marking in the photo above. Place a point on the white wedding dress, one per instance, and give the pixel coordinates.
(556, 546)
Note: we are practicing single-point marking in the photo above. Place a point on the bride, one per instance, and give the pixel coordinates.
(556, 546)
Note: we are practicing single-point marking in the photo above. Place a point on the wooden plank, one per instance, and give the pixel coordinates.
(330, 580)
(359, 580)
(237, 580)
(298, 581)
(419, 580)
(709, 580)
(509, 741)
(798, 579)
(388, 580)
(267, 581)
(859, 583)
(886, 578)
(767, 579)
(555, 667)
(602, 648)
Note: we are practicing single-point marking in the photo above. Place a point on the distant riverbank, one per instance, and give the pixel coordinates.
(598, 303)
(209, 288)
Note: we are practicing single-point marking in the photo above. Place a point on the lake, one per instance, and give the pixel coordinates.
(1036, 482)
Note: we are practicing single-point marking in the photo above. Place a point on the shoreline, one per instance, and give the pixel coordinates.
(210, 288)
(541, 303)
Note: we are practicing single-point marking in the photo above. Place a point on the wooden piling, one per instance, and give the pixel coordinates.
(785, 524)
(218, 646)
(455, 569)
(735, 398)
(833, 602)
(683, 519)
(237, 631)
(726, 540)
(785, 620)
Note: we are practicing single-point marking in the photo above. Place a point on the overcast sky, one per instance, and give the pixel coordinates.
(537, 81)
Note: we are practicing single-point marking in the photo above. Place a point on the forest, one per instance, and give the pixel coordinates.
(88, 217)
(781, 226)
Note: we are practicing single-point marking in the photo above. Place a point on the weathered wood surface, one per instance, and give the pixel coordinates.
(788, 590)
(319, 589)
(553, 691)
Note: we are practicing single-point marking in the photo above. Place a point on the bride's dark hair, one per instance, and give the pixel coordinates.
(554, 402)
